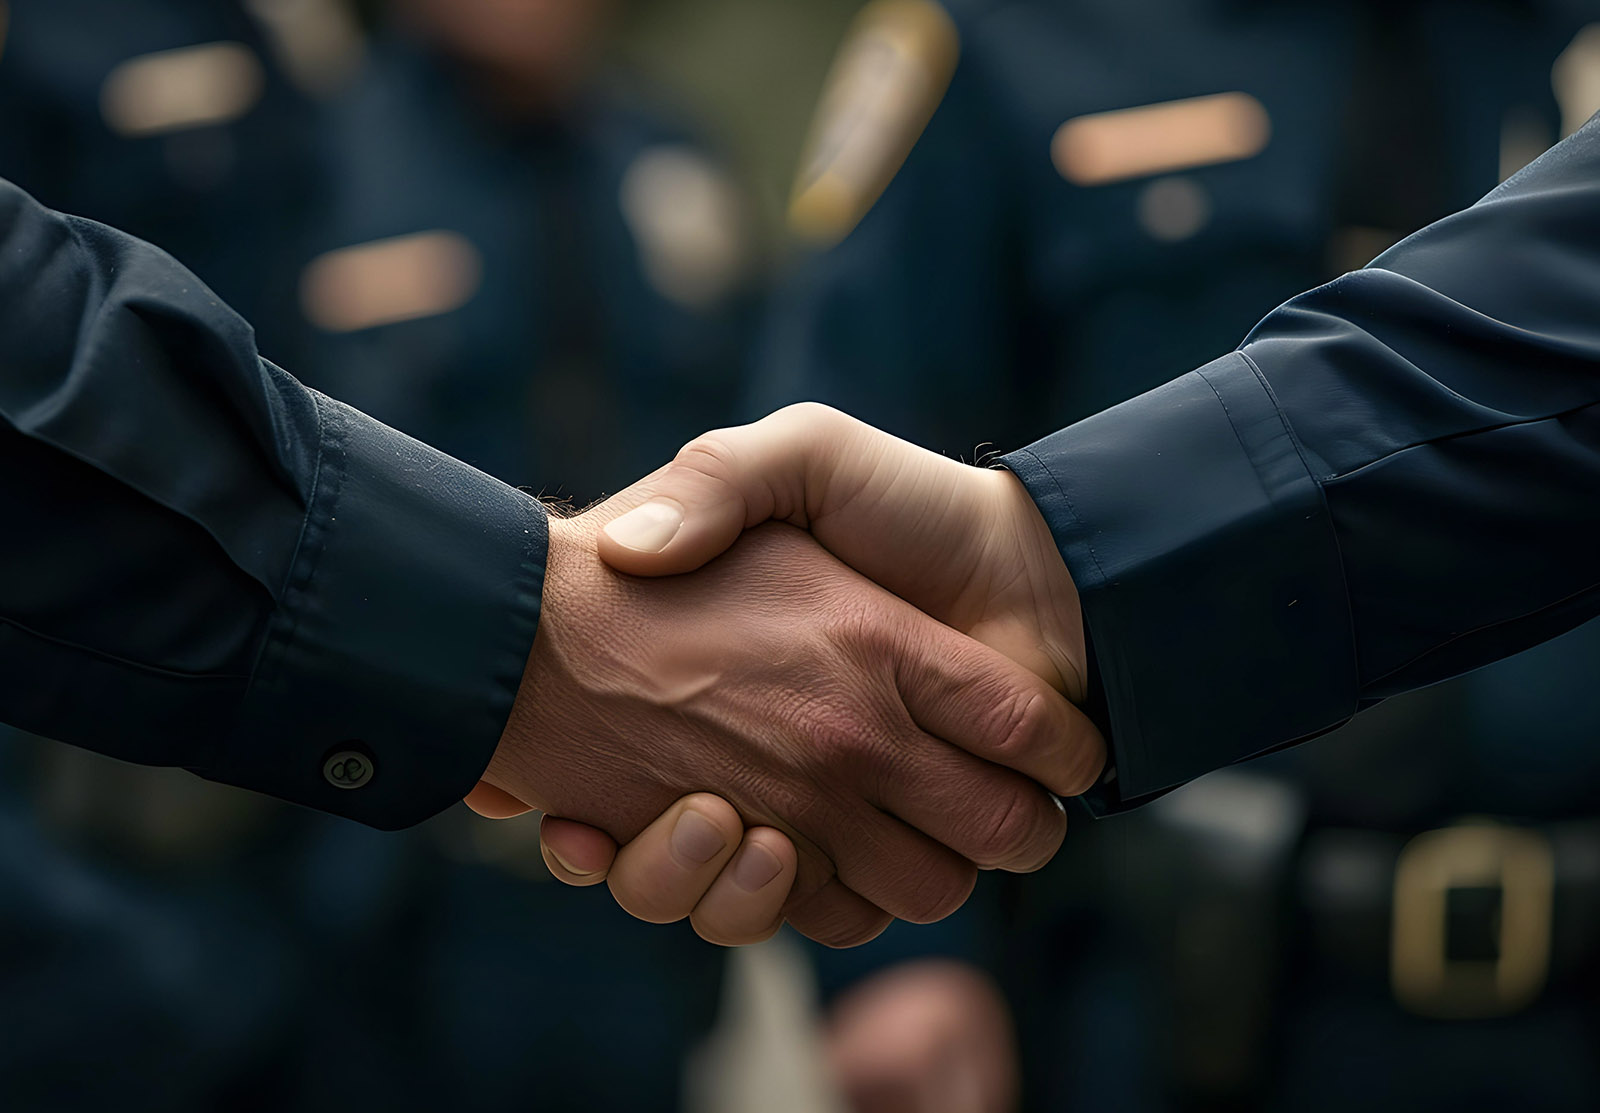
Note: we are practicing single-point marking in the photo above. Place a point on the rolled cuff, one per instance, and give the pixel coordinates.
(401, 634)
(1209, 574)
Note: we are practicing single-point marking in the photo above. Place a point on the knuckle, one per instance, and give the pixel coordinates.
(1024, 726)
(853, 619)
(710, 454)
(826, 918)
(1014, 830)
(937, 892)
(808, 413)
(844, 739)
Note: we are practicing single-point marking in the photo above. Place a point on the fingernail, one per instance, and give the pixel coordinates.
(755, 868)
(696, 840)
(648, 528)
(568, 866)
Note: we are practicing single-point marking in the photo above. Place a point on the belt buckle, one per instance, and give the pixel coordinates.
(1473, 854)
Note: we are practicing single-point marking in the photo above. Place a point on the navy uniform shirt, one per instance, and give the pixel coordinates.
(1102, 197)
(1394, 480)
(213, 567)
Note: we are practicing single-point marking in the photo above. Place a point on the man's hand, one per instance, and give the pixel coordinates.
(815, 703)
(966, 545)
(963, 544)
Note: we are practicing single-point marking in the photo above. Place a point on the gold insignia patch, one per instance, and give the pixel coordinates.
(388, 281)
(890, 76)
(1160, 138)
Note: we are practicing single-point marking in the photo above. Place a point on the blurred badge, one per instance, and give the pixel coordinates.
(687, 218)
(404, 278)
(175, 90)
(889, 78)
(1151, 139)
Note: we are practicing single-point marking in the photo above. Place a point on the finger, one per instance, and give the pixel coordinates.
(575, 852)
(837, 916)
(727, 481)
(494, 803)
(988, 814)
(745, 903)
(661, 875)
(980, 700)
(899, 869)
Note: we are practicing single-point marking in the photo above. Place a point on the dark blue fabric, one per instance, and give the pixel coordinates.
(1445, 405)
(569, 368)
(217, 568)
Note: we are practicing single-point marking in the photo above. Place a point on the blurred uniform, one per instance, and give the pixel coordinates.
(172, 120)
(156, 953)
(557, 297)
(1012, 214)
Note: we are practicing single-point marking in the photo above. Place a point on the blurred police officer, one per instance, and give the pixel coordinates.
(156, 948)
(527, 259)
(528, 263)
(1015, 213)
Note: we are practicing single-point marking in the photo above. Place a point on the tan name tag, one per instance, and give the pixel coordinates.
(388, 281)
(1160, 138)
(193, 86)
(889, 78)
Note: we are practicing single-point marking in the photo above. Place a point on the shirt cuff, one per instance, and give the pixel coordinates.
(1209, 574)
(399, 641)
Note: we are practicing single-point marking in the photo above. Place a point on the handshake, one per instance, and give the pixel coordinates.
(854, 689)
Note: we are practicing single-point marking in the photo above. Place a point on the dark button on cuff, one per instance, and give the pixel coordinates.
(348, 769)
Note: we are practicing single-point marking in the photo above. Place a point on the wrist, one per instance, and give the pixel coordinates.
(1048, 591)
(514, 766)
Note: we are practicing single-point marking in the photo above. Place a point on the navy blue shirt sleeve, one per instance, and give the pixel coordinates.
(209, 565)
(1394, 480)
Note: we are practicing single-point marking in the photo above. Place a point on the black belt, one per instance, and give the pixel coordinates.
(1468, 921)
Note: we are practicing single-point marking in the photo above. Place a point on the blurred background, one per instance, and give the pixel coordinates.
(557, 238)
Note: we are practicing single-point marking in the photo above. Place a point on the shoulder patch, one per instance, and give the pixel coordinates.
(889, 78)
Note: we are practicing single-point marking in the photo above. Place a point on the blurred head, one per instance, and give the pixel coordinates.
(531, 51)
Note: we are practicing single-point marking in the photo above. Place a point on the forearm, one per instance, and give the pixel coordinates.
(217, 568)
(1394, 480)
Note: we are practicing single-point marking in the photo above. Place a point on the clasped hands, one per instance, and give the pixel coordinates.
(805, 672)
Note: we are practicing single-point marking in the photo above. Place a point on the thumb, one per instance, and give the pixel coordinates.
(721, 484)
